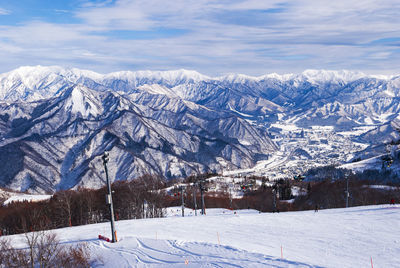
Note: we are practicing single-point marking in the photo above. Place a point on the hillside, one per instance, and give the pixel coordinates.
(56, 122)
(352, 237)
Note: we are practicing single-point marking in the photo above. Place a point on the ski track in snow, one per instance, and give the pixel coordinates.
(167, 253)
(329, 238)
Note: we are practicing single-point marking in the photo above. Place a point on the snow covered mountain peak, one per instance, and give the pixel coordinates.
(28, 76)
(158, 90)
(283, 77)
(170, 77)
(310, 75)
(331, 76)
(237, 78)
(36, 71)
(81, 101)
(23, 82)
(172, 123)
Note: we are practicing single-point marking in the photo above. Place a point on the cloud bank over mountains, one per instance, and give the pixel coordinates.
(213, 37)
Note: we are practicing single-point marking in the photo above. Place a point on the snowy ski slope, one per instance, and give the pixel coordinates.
(353, 237)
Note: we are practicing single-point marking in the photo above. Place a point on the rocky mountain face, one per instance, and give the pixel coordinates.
(55, 123)
(53, 137)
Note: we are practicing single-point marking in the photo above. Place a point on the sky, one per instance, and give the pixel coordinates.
(214, 37)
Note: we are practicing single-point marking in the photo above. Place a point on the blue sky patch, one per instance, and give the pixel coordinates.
(212, 37)
(143, 35)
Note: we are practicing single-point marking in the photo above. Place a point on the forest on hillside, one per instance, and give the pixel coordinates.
(149, 196)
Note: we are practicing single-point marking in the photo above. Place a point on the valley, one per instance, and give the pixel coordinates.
(56, 123)
(303, 148)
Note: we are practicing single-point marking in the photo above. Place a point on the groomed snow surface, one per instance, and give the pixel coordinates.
(353, 237)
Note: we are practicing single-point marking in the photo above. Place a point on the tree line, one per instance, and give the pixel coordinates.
(140, 198)
(145, 198)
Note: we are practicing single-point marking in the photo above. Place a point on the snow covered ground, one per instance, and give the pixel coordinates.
(350, 237)
(20, 197)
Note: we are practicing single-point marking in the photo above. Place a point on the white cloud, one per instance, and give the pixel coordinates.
(122, 16)
(246, 36)
(41, 34)
(4, 11)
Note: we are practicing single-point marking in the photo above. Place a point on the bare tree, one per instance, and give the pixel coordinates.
(64, 201)
(11, 257)
(44, 250)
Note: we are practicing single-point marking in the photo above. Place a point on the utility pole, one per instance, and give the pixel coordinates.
(109, 198)
(274, 192)
(203, 209)
(347, 191)
(183, 202)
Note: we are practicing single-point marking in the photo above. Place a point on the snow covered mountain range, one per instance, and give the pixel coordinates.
(55, 123)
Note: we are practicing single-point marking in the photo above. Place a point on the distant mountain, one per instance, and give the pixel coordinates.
(56, 143)
(55, 123)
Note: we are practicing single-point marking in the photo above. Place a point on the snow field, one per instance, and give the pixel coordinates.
(328, 238)
(17, 197)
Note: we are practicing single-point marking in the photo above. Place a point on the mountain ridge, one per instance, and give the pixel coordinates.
(57, 143)
(56, 122)
(28, 74)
